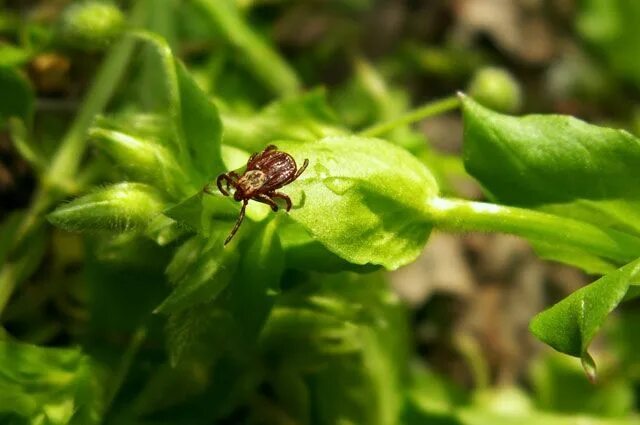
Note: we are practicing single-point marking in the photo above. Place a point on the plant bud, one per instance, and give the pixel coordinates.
(91, 24)
(122, 207)
(496, 89)
(143, 160)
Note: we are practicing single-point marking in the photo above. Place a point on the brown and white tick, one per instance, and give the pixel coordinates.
(266, 172)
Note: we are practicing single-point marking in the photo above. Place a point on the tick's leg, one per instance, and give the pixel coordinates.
(238, 223)
(282, 196)
(266, 200)
(301, 169)
(227, 180)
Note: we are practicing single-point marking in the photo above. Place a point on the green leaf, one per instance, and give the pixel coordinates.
(200, 270)
(47, 385)
(17, 97)
(121, 207)
(302, 252)
(143, 160)
(610, 26)
(364, 199)
(256, 285)
(305, 117)
(571, 325)
(196, 124)
(346, 335)
(201, 125)
(557, 164)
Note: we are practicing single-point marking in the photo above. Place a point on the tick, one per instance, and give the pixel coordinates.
(266, 172)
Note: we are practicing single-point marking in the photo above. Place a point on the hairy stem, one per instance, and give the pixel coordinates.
(467, 216)
(430, 109)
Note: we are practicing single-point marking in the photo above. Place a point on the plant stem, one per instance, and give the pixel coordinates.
(463, 216)
(67, 158)
(125, 365)
(58, 180)
(262, 60)
(430, 109)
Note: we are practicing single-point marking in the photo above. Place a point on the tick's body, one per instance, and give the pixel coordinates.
(266, 172)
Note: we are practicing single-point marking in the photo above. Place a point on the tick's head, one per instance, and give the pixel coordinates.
(250, 184)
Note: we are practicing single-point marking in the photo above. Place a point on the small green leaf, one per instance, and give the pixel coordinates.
(48, 385)
(258, 281)
(202, 211)
(121, 207)
(143, 160)
(200, 270)
(557, 164)
(201, 125)
(364, 199)
(570, 325)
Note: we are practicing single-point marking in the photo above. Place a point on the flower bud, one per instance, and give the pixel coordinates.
(142, 160)
(497, 89)
(122, 207)
(91, 24)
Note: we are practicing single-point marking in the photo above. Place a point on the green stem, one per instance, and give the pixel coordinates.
(122, 371)
(430, 109)
(67, 158)
(262, 59)
(467, 216)
(7, 285)
(59, 179)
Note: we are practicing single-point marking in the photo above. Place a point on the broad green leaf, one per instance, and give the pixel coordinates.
(302, 252)
(47, 385)
(557, 164)
(363, 199)
(571, 325)
(17, 97)
(200, 270)
(121, 207)
(305, 117)
(610, 26)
